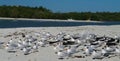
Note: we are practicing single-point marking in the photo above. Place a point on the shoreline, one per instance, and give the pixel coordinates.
(31, 19)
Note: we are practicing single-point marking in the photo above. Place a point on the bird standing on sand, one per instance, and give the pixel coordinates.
(62, 54)
(42, 43)
(9, 48)
(88, 50)
(96, 55)
(26, 51)
(110, 49)
(58, 46)
(35, 48)
(21, 46)
(71, 50)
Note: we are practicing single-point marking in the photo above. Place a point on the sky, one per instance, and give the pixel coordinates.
(69, 5)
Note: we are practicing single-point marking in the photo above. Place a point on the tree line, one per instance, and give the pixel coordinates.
(44, 13)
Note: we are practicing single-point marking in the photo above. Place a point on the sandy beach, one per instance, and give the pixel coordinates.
(63, 30)
(47, 53)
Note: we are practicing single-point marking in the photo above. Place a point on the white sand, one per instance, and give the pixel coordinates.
(47, 53)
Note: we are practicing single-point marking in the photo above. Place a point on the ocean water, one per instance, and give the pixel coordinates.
(27, 23)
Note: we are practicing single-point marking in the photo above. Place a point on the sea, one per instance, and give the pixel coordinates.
(42, 23)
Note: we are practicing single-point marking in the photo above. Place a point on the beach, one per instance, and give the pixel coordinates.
(63, 30)
(47, 53)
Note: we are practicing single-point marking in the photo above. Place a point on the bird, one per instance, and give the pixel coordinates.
(35, 48)
(96, 55)
(25, 43)
(67, 36)
(90, 36)
(31, 39)
(12, 44)
(26, 51)
(104, 52)
(21, 46)
(48, 34)
(28, 36)
(72, 50)
(42, 43)
(88, 50)
(19, 41)
(117, 51)
(61, 54)
(37, 34)
(59, 38)
(110, 49)
(59, 46)
(72, 39)
(10, 41)
(10, 49)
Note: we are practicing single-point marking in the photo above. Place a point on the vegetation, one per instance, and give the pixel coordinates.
(43, 13)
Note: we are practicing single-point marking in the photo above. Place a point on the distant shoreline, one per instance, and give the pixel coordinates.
(69, 20)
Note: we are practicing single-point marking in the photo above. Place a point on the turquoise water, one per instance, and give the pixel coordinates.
(27, 23)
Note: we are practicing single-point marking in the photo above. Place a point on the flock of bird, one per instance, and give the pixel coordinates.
(67, 45)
